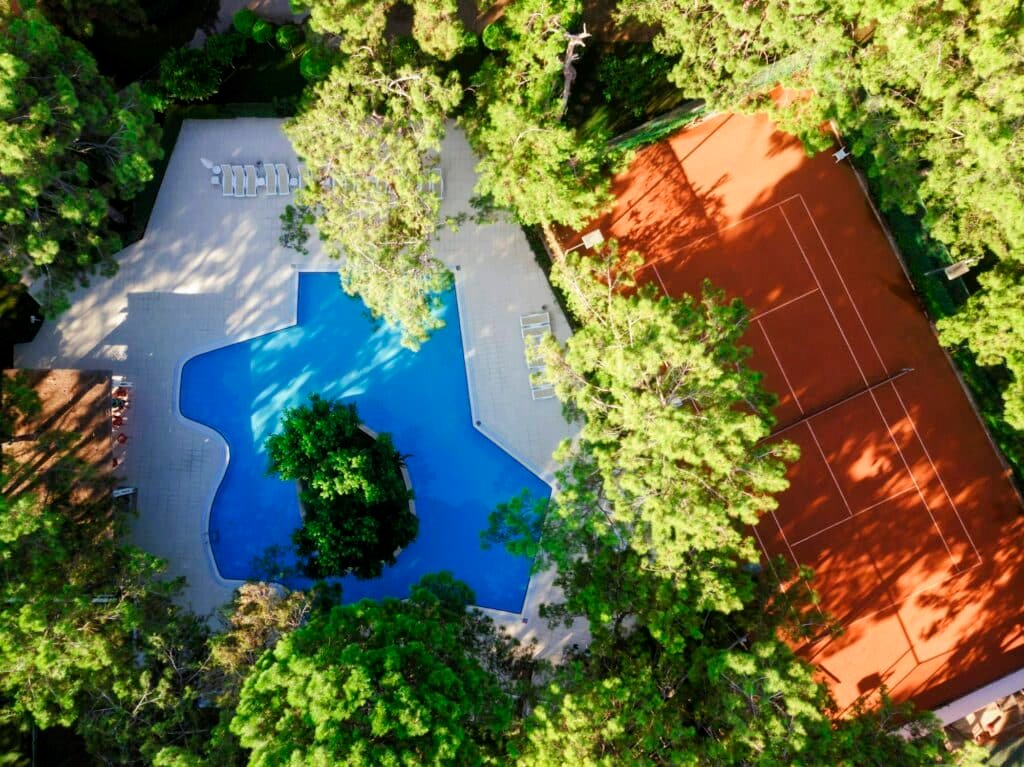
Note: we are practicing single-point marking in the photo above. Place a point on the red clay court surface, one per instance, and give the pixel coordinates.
(899, 502)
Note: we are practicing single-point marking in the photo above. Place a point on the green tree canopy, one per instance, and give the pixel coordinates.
(70, 148)
(354, 23)
(672, 463)
(531, 162)
(370, 136)
(356, 503)
(416, 682)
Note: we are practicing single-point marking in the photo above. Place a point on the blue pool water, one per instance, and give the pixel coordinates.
(458, 475)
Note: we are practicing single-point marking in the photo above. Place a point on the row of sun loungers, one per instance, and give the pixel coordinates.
(246, 180)
(534, 328)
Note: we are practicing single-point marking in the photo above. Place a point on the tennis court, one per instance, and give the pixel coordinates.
(899, 502)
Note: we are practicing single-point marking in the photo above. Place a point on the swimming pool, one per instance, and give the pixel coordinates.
(458, 475)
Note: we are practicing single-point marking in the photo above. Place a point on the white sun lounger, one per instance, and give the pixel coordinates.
(271, 180)
(282, 178)
(238, 181)
(534, 328)
(227, 181)
(250, 180)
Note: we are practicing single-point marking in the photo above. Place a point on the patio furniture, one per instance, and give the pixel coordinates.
(271, 180)
(534, 328)
(283, 184)
(228, 183)
(250, 180)
(215, 180)
(238, 181)
(293, 181)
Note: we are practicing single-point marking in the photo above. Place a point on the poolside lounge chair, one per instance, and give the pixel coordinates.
(534, 327)
(250, 180)
(293, 181)
(271, 179)
(282, 178)
(238, 181)
(227, 181)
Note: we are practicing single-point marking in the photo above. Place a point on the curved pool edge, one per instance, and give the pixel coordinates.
(224, 456)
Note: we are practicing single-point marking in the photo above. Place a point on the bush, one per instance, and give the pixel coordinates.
(188, 74)
(356, 504)
(315, 64)
(262, 31)
(288, 36)
(244, 21)
(495, 36)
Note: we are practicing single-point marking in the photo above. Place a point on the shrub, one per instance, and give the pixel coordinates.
(288, 36)
(315, 64)
(495, 36)
(262, 31)
(355, 499)
(244, 21)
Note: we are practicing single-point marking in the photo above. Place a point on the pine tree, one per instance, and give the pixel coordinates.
(370, 137)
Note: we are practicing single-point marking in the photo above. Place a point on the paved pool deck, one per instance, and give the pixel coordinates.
(209, 272)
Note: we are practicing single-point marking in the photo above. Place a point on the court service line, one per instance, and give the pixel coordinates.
(660, 281)
(785, 377)
(865, 510)
(783, 305)
(878, 354)
(856, 362)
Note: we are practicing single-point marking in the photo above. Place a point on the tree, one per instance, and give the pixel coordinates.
(370, 136)
(531, 163)
(356, 503)
(355, 23)
(673, 463)
(70, 148)
(412, 682)
(990, 324)
(78, 18)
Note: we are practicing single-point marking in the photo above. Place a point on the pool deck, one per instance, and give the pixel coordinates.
(209, 272)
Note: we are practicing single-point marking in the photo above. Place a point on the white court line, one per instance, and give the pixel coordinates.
(878, 354)
(660, 281)
(864, 377)
(919, 590)
(691, 243)
(783, 305)
(828, 466)
(785, 377)
(866, 509)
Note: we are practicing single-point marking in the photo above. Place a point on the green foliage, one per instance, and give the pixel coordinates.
(672, 462)
(189, 74)
(370, 135)
(262, 31)
(629, 79)
(288, 36)
(244, 20)
(991, 322)
(436, 24)
(393, 682)
(531, 163)
(315, 64)
(70, 148)
(355, 499)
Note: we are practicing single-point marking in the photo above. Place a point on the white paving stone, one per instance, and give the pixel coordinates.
(209, 271)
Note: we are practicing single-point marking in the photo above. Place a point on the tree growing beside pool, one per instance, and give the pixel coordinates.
(355, 500)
